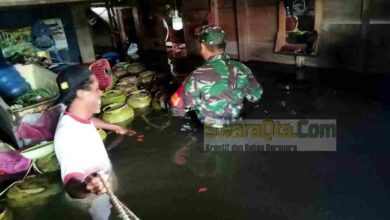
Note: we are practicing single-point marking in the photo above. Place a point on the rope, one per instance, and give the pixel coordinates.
(299, 7)
(161, 127)
(124, 212)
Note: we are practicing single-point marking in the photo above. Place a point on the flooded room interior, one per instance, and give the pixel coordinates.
(184, 109)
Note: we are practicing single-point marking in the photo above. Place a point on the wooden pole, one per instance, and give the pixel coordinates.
(365, 17)
(241, 8)
(214, 10)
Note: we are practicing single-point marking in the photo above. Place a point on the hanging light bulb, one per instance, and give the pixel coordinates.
(177, 22)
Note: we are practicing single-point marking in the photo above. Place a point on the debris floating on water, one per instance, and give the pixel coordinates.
(180, 156)
(185, 127)
(202, 189)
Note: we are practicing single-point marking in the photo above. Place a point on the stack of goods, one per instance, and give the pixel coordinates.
(18, 92)
(12, 84)
(120, 69)
(5, 212)
(113, 96)
(32, 97)
(127, 84)
(33, 192)
(134, 92)
(135, 68)
(117, 113)
(139, 99)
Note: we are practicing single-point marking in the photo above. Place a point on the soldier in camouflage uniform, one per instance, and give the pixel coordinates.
(217, 89)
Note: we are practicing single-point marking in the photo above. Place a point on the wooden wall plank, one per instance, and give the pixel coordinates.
(340, 46)
(242, 28)
(9, 3)
(83, 33)
(364, 33)
(379, 10)
(352, 34)
(226, 3)
(190, 5)
(342, 10)
(227, 20)
(214, 10)
(264, 27)
(378, 48)
(228, 23)
(262, 2)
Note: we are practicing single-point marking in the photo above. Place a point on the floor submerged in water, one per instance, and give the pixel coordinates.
(168, 176)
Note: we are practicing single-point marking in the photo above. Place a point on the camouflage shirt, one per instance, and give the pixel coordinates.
(217, 89)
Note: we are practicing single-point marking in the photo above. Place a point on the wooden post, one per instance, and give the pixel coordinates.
(9, 3)
(241, 8)
(137, 23)
(281, 35)
(83, 33)
(214, 10)
(364, 34)
(318, 22)
(110, 18)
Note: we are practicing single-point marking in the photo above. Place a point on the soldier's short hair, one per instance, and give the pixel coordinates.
(213, 37)
(215, 48)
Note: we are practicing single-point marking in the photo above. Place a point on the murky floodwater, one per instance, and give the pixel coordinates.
(167, 175)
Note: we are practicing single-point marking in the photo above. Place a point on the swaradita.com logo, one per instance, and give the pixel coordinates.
(272, 135)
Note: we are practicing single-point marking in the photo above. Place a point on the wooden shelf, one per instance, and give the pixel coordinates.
(300, 46)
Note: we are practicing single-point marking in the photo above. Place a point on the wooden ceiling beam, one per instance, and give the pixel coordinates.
(15, 3)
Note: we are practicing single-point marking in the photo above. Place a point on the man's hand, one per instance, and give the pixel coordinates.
(177, 112)
(94, 184)
(112, 127)
(123, 131)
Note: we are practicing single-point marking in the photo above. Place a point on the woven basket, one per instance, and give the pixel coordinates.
(102, 70)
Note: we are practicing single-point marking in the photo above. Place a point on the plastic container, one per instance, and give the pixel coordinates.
(102, 70)
(113, 96)
(5, 213)
(112, 57)
(46, 164)
(134, 68)
(12, 84)
(38, 151)
(139, 99)
(117, 113)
